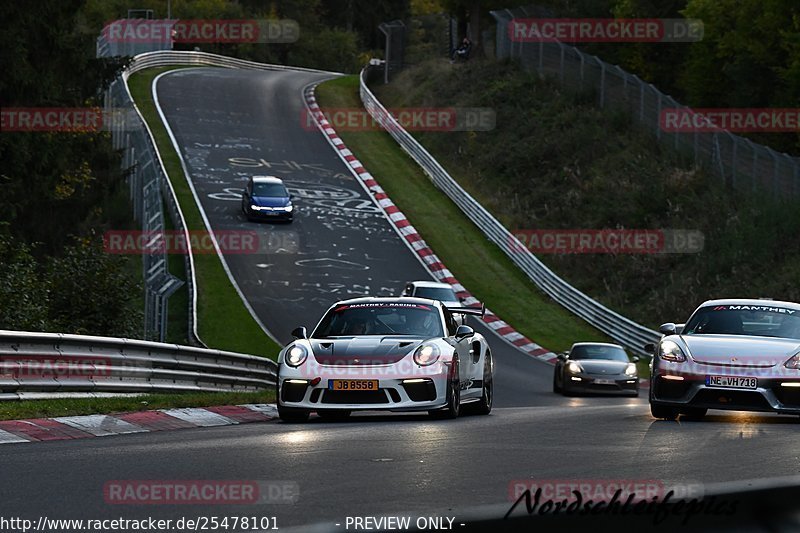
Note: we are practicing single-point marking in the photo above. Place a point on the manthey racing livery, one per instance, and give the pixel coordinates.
(389, 354)
(739, 355)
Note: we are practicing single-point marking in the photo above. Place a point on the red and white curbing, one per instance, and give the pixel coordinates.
(415, 241)
(84, 427)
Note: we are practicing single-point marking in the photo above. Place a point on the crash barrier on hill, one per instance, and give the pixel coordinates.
(623, 330)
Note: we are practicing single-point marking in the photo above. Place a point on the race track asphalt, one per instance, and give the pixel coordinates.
(230, 124)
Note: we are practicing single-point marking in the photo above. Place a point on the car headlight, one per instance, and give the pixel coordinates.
(289, 208)
(255, 207)
(296, 355)
(574, 367)
(426, 354)
(793, 362)
(672, 352)
(630, 370)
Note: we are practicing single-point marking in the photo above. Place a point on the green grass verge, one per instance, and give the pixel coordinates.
(178, 303)
(89, 406)
(223, 321)
(477, 263)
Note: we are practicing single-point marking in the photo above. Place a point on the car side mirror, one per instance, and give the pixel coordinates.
(463, 332)
(667, 329)
(562, 356)
(635, 358)
(462, 300)
(300, 333)
(650, 347)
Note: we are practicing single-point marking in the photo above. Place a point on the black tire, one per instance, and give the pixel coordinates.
(292, 414)
(453, 407)
(566, 390)
(556, 387)
(484, 406)
(664, 412)
(334, 414)
(695, 413)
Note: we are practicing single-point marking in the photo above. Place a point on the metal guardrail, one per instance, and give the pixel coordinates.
(163, 58)
(149, 186)
(623, 330)
(146, 178)
(53, 363)
(159, 37)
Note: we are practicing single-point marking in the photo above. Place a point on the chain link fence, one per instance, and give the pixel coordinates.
(145, 177)
(739, 162)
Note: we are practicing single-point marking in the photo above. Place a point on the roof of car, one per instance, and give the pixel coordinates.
(597, 344)
(388, 299)
(431, 284)
(752, 301)
(267, 179)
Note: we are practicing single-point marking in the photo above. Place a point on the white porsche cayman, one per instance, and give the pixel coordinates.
(392, 354)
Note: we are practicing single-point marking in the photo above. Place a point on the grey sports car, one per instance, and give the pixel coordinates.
(596, 367)
(731, 354)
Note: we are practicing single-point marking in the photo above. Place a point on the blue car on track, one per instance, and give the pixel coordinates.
(266, 198)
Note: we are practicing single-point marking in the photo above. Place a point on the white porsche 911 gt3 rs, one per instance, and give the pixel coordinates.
(391, 354)
(731, 354)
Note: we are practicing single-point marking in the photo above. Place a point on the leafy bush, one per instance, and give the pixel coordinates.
(83, 291)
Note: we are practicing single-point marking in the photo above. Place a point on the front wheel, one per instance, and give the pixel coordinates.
(453, 407)
(663, 412)
(484, 406)
(556, 386)
(292, 414)
(566, 389)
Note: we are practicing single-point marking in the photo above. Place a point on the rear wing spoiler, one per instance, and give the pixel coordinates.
(478, 311)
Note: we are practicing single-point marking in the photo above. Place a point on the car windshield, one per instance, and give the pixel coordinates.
(756, 320)
(380, 318)
(443, 294)
(611, 353)
(273, 190)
